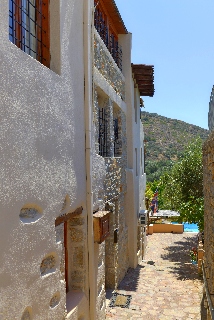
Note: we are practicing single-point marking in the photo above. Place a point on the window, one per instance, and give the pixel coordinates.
(103, 133)
(29, 28)
(116, 137)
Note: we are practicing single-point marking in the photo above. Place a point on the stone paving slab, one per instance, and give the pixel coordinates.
(165, 286)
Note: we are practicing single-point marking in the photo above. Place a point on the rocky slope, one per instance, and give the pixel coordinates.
(165, 140)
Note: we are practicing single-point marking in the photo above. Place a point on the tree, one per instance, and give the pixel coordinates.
(183, 185)
(154, 169)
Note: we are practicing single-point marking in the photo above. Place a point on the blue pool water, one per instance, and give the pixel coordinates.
(189, 227)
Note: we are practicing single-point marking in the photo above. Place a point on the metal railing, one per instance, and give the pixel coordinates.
(108, 38)
(210, 304)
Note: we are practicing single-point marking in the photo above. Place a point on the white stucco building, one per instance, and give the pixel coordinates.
(72, 157)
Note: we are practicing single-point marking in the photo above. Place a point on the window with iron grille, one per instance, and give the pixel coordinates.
(116, 138)
(29, 28)
(101, 25)
(103, 133)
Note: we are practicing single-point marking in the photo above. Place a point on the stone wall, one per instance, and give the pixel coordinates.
(109, 173)
(107, 66)
(110, 249)
(101, 299)
(115, 187)
(109, 187)
(77, 233)
(116, 245)
(208, 167)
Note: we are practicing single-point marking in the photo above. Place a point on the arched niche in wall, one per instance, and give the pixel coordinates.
(55, 300)
(48, 264)
(30, 213)
(27, 314)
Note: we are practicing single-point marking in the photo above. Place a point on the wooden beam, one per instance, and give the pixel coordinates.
(144, 77)
(68, 216)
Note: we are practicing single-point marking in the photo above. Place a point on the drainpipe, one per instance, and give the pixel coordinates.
(88, 35)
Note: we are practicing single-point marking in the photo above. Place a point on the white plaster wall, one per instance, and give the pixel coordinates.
(142, 177)
(137, 145)
(134, 199)
(42, 156)
(132, 195)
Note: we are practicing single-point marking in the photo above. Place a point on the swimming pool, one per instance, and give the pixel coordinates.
(189, 227)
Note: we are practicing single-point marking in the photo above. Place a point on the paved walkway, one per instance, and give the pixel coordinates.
(165, 286)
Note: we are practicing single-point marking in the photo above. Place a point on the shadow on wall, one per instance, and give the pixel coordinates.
(180, 255)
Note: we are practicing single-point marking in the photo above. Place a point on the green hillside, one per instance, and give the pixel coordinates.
(165, 140)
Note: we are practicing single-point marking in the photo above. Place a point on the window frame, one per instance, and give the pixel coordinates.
(19, 13)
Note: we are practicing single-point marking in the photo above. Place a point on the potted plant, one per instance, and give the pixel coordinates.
(193, 255)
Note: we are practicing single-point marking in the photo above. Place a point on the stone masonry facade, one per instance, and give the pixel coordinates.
(104, 63)
(208, 180)
(109, 175)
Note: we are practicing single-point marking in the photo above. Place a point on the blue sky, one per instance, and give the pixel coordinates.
(177, 37)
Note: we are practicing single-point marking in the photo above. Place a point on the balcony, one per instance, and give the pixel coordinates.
(108, 37)
(108, 25)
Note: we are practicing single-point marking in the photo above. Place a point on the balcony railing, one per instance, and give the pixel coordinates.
(108, 38)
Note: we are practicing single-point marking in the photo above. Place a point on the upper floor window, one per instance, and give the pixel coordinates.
(29, 28)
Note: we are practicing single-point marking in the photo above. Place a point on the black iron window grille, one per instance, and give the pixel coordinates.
(108, 37)
(103, 134)
(29, 28)
(101, 26)
(115, 51)
(116, 137)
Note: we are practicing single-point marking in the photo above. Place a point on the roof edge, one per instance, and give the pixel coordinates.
(144, 77)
